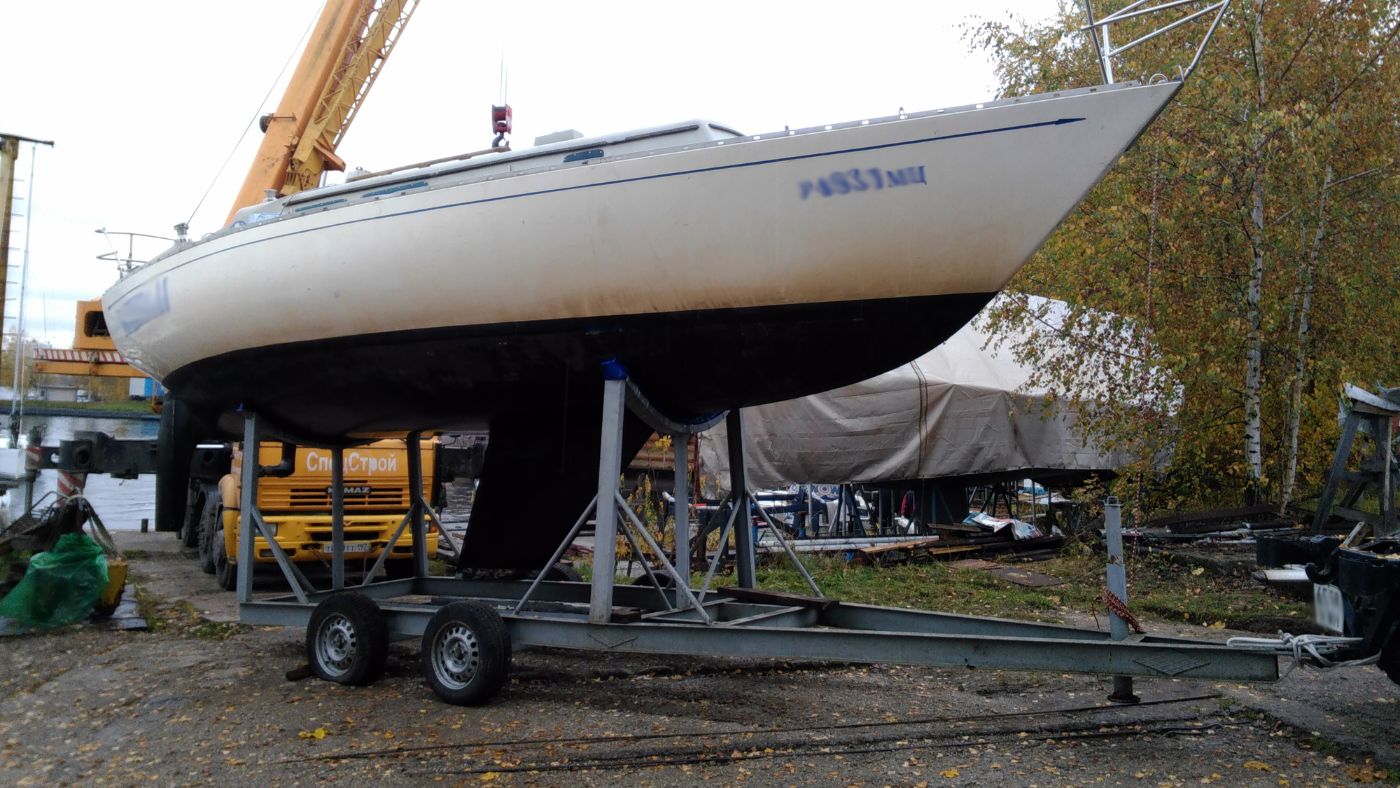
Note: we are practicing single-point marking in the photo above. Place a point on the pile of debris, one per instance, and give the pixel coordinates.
(1239, 526)
(977, 536)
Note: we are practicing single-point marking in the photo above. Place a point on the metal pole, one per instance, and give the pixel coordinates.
(739, 488)
(1118, 586)
(1387, 506)
(248, 500)
(681, 495)
(605, 518)
(1107, 58)
(414, 445)
(338, 518)
(17, 401)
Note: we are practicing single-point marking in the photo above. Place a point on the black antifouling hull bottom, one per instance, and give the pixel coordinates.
(539, 388)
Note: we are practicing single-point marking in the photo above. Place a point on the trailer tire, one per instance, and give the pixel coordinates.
(347, 639)
(466, 653)
(225, 571)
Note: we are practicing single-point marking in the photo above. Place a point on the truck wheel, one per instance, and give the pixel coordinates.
(466, 653)
(189, 529)
(564, 572)
(347, 640)
(225, 571)
(210, 521)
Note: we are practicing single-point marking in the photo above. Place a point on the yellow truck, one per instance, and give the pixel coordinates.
(297, 507)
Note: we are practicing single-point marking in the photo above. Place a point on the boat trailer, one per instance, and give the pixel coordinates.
(468, 627)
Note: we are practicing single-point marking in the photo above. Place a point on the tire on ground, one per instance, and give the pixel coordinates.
(225, 571)
(189, 529)
(210, 522)
(347, 640)
(563, 571)
(466, 653)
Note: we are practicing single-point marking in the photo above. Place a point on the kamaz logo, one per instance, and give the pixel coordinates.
(359, 489)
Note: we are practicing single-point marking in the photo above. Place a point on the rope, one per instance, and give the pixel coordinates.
(1119, 608)
(1300, 646)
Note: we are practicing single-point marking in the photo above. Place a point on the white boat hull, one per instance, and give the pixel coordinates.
(721, 275)
(934, 204)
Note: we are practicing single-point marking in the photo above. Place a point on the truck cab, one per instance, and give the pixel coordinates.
(297, 508)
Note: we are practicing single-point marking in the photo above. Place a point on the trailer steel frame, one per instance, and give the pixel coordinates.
(743, 621)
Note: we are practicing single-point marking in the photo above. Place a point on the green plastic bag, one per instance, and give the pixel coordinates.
(61, 586)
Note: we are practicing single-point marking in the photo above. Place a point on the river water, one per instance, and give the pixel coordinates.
(121, 503)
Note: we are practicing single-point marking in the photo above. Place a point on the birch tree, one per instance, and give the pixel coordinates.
(1240, 259)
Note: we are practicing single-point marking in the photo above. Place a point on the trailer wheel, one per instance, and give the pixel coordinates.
(347, 640)
(466, 653)
(225, 571)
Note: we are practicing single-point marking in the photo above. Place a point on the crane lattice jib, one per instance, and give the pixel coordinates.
(362, 58)
(346, 50)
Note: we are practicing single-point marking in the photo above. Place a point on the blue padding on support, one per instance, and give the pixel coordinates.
(613, 370)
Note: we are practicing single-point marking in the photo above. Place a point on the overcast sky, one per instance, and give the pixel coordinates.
(145, 100)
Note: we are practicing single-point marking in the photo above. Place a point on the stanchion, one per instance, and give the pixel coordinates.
(1117, 589)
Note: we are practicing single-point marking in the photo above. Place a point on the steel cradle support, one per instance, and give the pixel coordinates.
(745, 622)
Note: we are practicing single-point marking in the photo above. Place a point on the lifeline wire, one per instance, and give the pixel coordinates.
(254, 119)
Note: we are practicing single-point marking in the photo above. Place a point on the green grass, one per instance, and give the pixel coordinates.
(1157, 588)
(181, 617)
(115, 406)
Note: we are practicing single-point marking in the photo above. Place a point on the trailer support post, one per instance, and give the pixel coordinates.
(338, 518)
(739, 491)
(605, 517)
(247, 502)
(414, 441)
(1118, 586)
(680, 493)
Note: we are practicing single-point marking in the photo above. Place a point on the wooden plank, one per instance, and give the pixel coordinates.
(972, 563)
(1025, 577)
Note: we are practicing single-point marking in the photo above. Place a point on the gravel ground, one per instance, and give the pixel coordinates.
(200, 702)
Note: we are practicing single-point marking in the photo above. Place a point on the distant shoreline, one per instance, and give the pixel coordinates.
(135, 411)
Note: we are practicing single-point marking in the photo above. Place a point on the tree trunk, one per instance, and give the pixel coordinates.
(1254, 340)
(1308, 265)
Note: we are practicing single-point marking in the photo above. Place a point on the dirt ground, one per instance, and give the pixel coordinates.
(201, 701)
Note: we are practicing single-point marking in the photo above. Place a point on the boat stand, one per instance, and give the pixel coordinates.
(673, 618)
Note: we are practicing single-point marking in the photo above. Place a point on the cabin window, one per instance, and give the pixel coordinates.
(95, 325)
(584, 155)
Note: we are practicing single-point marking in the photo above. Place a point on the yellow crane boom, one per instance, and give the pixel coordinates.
(344, 55)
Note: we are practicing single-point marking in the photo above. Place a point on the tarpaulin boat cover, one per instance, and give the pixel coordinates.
(958, 410)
